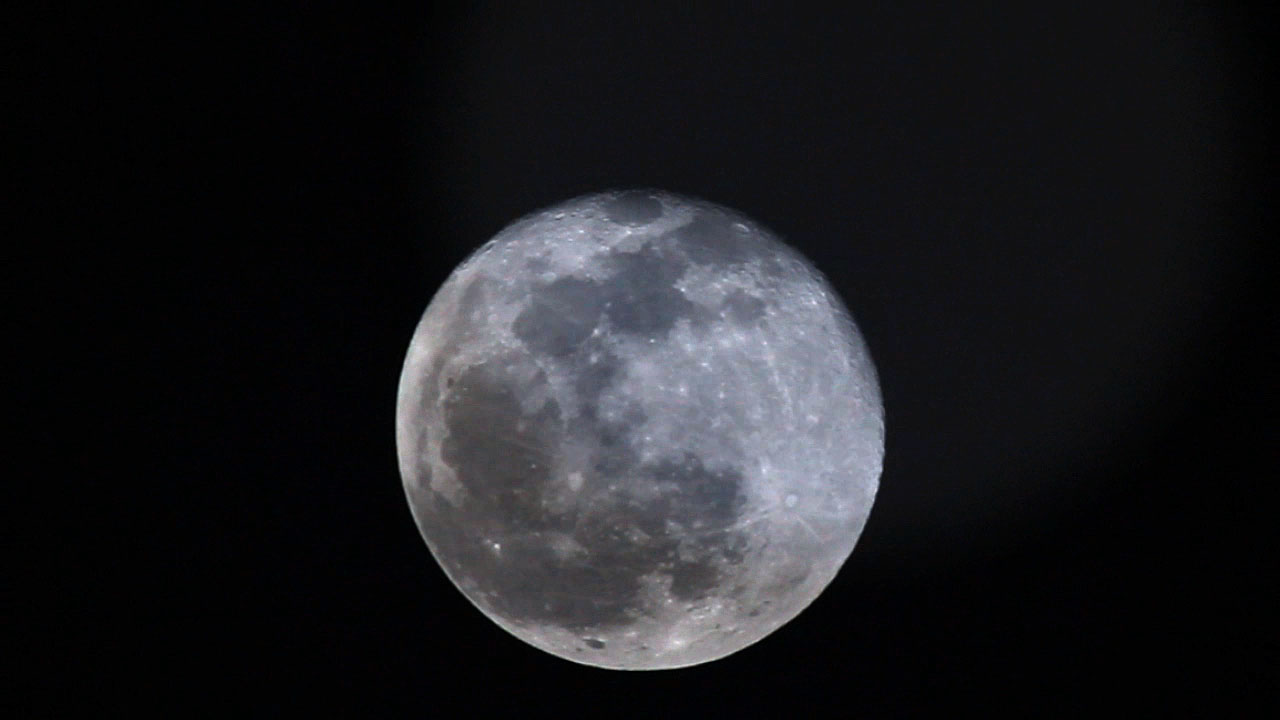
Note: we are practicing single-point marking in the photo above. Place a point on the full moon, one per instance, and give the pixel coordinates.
(638, 431)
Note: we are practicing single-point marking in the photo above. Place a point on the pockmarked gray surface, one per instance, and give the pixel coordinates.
(638, 431)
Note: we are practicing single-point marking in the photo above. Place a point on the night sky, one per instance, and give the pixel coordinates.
(1048, 220)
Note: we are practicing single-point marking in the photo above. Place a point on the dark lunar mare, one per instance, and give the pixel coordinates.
(640, 296)
(560, 316)
(711, 239)
(634, 208)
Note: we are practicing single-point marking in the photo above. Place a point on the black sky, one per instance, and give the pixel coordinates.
(1048, 220)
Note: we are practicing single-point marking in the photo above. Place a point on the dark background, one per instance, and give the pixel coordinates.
(1047, 218)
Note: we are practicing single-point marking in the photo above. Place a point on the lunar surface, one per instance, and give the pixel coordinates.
(638, 431)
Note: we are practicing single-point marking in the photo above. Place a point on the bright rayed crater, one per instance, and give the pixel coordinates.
(639, 432)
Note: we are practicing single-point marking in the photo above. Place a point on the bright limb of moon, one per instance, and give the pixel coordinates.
(638, 431)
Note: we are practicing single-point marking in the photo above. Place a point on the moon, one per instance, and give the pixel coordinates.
(638, 431)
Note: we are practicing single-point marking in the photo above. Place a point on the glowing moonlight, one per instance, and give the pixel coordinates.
(639, 432)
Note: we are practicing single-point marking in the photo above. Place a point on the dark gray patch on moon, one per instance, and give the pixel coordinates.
(712, 238)
(693, 581)
(560, 316)
(639, 297)
(633, 208)
(482, 411)
(701, 497)
(474, 297)
(742, 308)
(642, 296)
(503, 459)
(704, 503)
